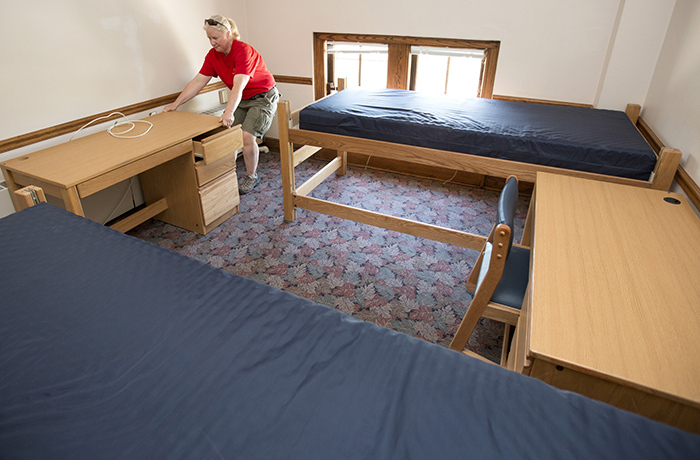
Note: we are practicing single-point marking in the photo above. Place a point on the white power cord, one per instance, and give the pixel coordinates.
(120, 134)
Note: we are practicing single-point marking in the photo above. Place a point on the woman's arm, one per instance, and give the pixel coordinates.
(191, 90)
(239, 82)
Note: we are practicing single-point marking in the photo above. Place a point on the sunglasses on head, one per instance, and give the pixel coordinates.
(213, 22)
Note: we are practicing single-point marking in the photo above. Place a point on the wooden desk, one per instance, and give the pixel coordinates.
(613, 309)
(193, 195)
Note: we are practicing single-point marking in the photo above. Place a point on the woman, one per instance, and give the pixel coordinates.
(253, 99)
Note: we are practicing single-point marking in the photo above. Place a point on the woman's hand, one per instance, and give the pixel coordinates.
(226, 119)
(191, 90)
(234, 97)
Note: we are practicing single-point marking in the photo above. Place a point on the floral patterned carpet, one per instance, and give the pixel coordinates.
(409, 284)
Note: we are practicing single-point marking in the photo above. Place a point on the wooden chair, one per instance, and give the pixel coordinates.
(499, 278)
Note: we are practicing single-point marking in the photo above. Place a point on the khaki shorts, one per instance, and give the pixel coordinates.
(255, 114)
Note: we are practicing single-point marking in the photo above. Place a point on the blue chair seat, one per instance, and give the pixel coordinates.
(516, 273)
(511, 289)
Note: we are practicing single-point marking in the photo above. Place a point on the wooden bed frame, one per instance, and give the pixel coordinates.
(312, 142)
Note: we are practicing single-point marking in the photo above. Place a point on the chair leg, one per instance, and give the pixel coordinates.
(507, 339)
(461, 337)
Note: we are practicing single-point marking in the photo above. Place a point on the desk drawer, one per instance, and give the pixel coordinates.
(219, 197)
(216, 144)
(208, 172)
(126, 171)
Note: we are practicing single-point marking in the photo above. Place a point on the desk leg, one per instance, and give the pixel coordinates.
(72, 201)
(517, 359)
(176, 181)
(527, 231)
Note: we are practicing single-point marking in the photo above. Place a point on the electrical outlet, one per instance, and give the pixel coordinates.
(223, 96)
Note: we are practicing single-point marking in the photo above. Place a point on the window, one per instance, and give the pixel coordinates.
(455, 72)
(361, 64)
(438, 65)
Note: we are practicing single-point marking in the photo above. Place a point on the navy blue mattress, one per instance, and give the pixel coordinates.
(584, 139)
(113, 348)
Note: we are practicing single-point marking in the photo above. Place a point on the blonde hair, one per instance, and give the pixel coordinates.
(223, 25)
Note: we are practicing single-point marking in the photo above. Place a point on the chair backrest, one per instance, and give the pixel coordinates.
(507, 204)
(489, 267)
(501, 232)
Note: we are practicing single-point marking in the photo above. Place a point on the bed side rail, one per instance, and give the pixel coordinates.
(398, 224)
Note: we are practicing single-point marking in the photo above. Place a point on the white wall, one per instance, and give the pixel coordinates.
(67, 60)
(672, 106)
(64, 60)
(76, 58)
(600, 52)
(633, 51)
(549, 49)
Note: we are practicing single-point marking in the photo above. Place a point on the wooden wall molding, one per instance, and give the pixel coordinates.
(689, 186)
(294, 80)
(539, 101)
(70, 126)
(407, 40)
(24, 140)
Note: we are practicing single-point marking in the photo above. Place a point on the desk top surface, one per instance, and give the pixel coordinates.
(86, 157)
(616, 284)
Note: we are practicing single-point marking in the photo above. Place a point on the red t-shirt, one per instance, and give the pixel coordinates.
(243, 60)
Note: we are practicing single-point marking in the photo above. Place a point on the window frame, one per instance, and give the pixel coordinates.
(399, 57)
(364, 49)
